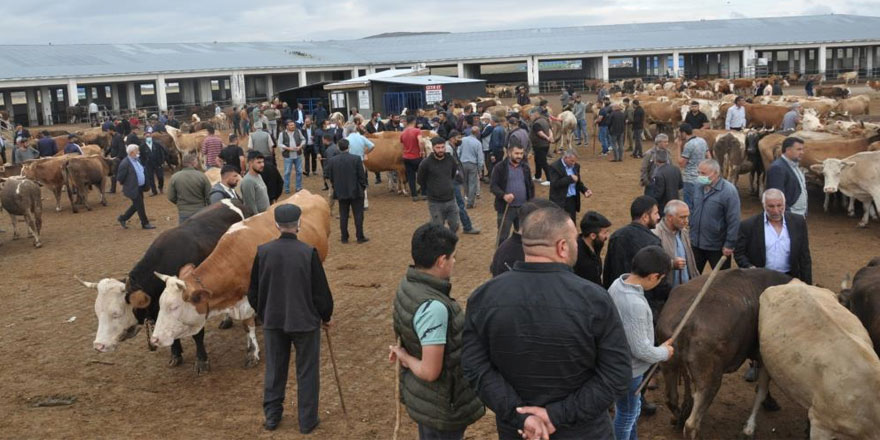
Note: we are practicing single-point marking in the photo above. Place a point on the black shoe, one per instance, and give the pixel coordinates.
(148, 226)
(363, 240)
(648, 408)
(272, 423)
(344, 241)
(121, 222)
(309, 430)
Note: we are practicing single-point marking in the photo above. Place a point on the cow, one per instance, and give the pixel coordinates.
(863, 299)
(80, 174)
(875, 85)
(95, 136)
(721, 334)
(729, 150)
(47, 171)
(20, 197)
(185, 142)
(822, 106)
(753, 155)
(819, 354)
(818, 146)
(765, 116)
(123, 305)
(743, 86)
(723, 87)
(664, 114)
(60, 142)
(565, 134)
(857, 176)
(387, 155)
(849, 76)
(220, 283)
(832, 91)
(857, 105)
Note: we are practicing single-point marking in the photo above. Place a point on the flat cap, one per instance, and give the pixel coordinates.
(287, 213)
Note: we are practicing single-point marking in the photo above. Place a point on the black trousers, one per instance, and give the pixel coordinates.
(308, 359)
(541, 161)
(154, 175)
(702, 256)
(570, 206)
(311, 160)
(137, 205)
(357, 208)
(412, 168)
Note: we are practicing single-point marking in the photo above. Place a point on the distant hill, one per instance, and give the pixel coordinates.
(403, 34)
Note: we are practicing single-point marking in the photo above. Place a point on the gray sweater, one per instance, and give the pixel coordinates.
(253, 193)
(638, 323)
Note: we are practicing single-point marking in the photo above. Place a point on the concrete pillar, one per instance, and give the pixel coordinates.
(224, 91)
(88, 94)
(821, 56)
(791, 61)
(532, 75)
(72, 93)
(46, 101)
(303, 78)
(270, 87)
(187, 91)
(675, 64)
(130, 96)
(31, 107)
(461, 72)
(869, 61)
(664, 64)
(161, 97)
(114, 98)
(605, 66)
(205, 91)
(371, 70)
(236, 84)
(7, 100)
(354, 72)
(802, 60)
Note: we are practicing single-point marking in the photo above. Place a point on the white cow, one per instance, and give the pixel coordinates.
(116, 320)
(857, 176)
(821, 356)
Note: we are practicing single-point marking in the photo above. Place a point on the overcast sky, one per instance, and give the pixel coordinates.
(100, 21)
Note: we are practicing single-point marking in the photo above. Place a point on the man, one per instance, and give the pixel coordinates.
(299, 115)
(646, 172)
(225, 188)
(564, 99)
(21, 132)
(595, 229)
(602, 94)
(394, 123)
(105, 126)
(808, 87)
(375, 125)
(93, 114)
(237, 122)
(616, 127)
(579, 108)
(211, 148)
(677, 243)
(453, 144)
(116, 153)
(412, 154)
(446, 126)
(736, 115)
(435, 177)
(310, 150)
(189, 188)
(272, 115)
(497, 144)
(666, 182)
(156, 124)
(470, 153)
(349, 179)
(775, 239)
(694, 151)
(261, 141)
(172, 121)
(290, 294)
(47, 145)
(291, 143)
(649, 266)
(152, 155)
(695, 118)
(638, 126)
(566, 186)
(511, 250)
(791, 118)
(715, 218)
(429, 324)
(512, 185)
(72, 146)
(320, 114)
(627, 241)
(785, 175)
(253, 188)
(518, 134)
(514, 357)
(132, 176)
(132, 138)
(540, 138)
(629, 114)
(603, 119)
(360, 146)
(232, 154)
(328, 151)
(23, 152)
(522, 96)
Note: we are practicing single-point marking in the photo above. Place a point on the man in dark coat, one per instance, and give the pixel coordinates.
(566, 185)
(775, 239)
(666, 181)
(116, 153)
(510, 251)
(290, 294)
(616, 130)
(152, 155)
(132, 175)
(347, 175)
(627, 241)
(510, 195)
(785, 175)
(594, 233)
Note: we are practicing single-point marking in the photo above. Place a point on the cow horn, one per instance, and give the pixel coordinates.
(86, 283)
(164, 278)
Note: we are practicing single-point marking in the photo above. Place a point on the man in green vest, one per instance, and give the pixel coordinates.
(429, 324)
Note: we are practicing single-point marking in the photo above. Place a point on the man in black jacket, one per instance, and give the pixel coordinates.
(627, 241)
(116, 153)
(510, 194)
(594, 233)
(347, 175)
(153, 155)
(785, 175)
(132, 176)
(510, 251)
(666, 181)
(566, 185)
(616, 129)
(638, 125)
(784, 232)
(568, 363)
(290, 294)
(435, 175)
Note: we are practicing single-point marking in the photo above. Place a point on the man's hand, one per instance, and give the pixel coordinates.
(508, 198)
(327, 325)
(574, 178)
(668, 346)
(397, 352)
(541, 413)
(727, 251)
(534, 429)
(680, 263)
(588, 194)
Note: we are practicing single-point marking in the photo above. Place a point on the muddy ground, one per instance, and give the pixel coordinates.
(48, 325)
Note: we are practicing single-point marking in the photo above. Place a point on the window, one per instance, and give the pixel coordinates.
(215, 85)
(849, 52)
(172, 87)
(839, 53)
(18, 98)
(94, 92)
(80, 93)
(797, 55)
(59, 95)
(811, 54)
(108, 91)
(782, 55)
(148, 89)
(768, 55)
(337, 100)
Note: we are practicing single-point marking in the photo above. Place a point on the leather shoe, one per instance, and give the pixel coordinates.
(309, 430)
(344, 241)
(272, 423)
(121, 222)
(363, 240)
(149, 226)
(472, 231)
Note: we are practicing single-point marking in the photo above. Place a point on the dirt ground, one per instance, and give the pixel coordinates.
(48, 325)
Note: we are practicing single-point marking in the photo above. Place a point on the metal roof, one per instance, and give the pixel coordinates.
(364, 81)
(21, 62)
(428, 80)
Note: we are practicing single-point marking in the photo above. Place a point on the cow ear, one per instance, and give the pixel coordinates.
(817, 168)
(139, 299)
(185, 270)
(198, 296)
(847, 164)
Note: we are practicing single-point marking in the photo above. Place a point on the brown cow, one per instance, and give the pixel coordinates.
(95, 136)
(720, 335)
(20, 196)
(387, 155)
(729, 150)
(60, 142)
(857, 105)
(765, 116)
(47, 171)
(863, 299)
(743, 85)
(874, 85)
(832, 91)
(80, 174)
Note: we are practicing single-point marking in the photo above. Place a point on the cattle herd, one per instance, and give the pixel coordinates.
(812, 343)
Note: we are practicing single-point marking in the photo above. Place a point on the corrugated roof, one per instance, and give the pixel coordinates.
(84, 60)
(428, 80)
(363, 81)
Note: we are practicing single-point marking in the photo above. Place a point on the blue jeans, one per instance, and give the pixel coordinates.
(626, 412)
(603, 138)
(288, 166)
(462, 212)
(687, 193)
(581, 128)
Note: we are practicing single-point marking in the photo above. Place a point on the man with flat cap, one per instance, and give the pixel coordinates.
(290, 293)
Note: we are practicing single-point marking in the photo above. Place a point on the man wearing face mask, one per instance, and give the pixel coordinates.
(595, 229)
(152, 155)
(715, 218)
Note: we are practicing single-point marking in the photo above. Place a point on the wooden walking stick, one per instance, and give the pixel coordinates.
(684, 320)
(396, 395)
(501, 226)
(336, 374)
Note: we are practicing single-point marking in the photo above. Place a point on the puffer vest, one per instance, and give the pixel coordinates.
(449, 403)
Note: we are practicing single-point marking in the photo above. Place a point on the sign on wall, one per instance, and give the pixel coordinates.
(433, 93)
(364, 99)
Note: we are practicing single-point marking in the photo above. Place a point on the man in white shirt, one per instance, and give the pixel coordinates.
(736, 115)
(93, 114)
(291, 142)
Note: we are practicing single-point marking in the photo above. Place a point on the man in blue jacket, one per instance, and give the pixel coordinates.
(715, 219)
(496, 143)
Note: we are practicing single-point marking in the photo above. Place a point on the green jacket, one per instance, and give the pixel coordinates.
(449, 403)
(190, 190)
